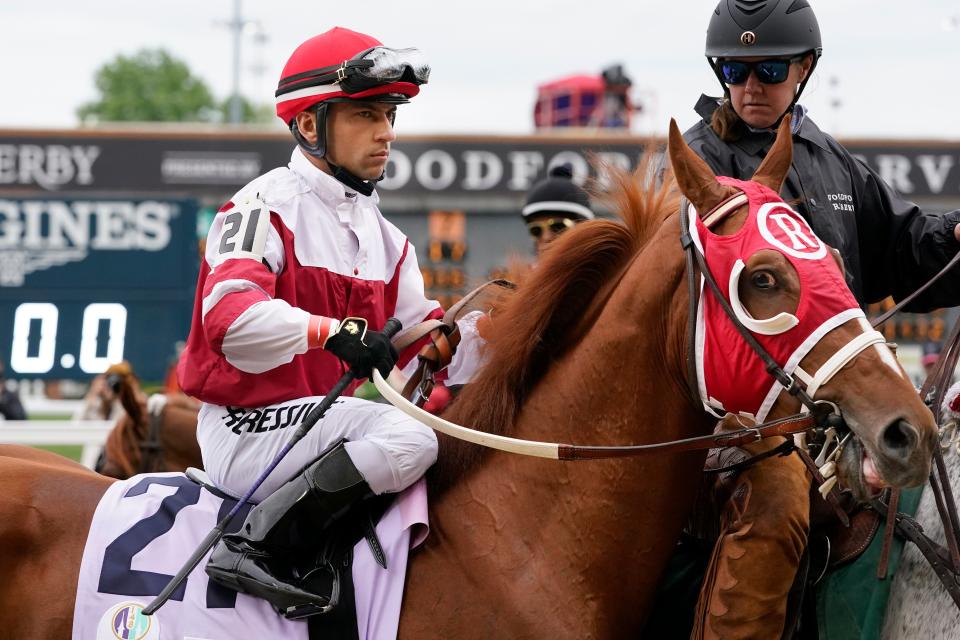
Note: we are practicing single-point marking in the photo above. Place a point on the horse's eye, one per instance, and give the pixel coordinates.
(763, 280)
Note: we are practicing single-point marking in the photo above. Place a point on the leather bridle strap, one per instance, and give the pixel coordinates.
(783, 427)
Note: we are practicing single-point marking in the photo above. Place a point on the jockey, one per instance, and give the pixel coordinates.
(300, 268)
(763, 55)
(554, 205)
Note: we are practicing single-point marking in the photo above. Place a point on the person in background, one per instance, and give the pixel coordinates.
(10, 406)
(102, 401)
(554, 205)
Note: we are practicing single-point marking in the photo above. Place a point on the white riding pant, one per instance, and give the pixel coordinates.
(388, 447)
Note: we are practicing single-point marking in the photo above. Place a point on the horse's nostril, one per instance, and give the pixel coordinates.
(900, 436)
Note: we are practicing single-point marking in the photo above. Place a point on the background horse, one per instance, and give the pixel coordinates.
(592, 350)
(919, 606)
(159, 434)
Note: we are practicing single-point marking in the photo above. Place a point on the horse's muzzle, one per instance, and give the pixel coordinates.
(903, 455)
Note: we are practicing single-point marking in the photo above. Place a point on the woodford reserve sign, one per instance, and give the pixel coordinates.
(494, 170)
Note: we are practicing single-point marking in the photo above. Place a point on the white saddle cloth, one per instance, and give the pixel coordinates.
(145, 528)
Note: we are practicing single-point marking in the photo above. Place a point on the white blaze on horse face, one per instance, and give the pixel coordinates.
(886, 355)
(789, 232)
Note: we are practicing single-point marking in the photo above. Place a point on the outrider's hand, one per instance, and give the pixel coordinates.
(362, 350)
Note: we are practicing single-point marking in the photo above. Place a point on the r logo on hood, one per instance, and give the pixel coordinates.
(786, 230)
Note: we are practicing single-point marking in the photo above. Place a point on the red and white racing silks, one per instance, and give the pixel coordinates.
(731, 377)
(291, 254)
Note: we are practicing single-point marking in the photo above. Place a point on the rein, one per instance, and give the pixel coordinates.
(557, 451)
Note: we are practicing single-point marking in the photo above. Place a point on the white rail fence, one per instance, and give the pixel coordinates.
(90, 434)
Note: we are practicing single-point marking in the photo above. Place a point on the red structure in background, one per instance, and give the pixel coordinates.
(585, 101)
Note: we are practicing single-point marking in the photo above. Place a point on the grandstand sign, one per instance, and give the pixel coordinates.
(421, 167)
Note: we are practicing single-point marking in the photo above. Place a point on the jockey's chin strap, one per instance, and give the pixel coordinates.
(825, 413)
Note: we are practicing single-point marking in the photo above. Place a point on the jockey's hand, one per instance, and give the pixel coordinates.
(362, 350)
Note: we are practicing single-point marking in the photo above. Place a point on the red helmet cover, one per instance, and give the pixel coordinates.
(329, 49)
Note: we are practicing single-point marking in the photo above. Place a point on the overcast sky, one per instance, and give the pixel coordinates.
(891, 65)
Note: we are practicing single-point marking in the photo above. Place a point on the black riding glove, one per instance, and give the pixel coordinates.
(362, 350)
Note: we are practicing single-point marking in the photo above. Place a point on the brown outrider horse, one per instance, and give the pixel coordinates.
(144, 442)
(591, 350)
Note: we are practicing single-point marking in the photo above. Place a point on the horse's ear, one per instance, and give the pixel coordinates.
(773, 170)
(694, 176)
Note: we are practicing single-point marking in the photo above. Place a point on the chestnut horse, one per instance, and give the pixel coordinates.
(157, 435)
(592, 350)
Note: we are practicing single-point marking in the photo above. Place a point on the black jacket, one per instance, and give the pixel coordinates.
(889, 246)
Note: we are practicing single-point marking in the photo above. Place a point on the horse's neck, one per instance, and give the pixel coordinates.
(561, 536)
(178, 436)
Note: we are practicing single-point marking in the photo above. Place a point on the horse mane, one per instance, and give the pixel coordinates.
(121, 451)
(555, 304)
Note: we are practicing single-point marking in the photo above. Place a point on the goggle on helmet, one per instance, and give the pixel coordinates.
(377, 73)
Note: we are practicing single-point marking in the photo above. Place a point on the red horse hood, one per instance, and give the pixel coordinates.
(731, 377)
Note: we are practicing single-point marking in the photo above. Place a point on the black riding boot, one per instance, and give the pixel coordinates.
(283, 533)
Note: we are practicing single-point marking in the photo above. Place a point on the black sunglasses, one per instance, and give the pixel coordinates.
(555, 225)
(773, 71)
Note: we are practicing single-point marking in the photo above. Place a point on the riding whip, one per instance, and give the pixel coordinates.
(391, 327)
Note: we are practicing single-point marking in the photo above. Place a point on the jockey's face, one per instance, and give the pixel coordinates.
(359, 136)
(761, 105)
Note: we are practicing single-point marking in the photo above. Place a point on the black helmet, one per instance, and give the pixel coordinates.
(740, 28)
(770, 28)
(558, 193)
